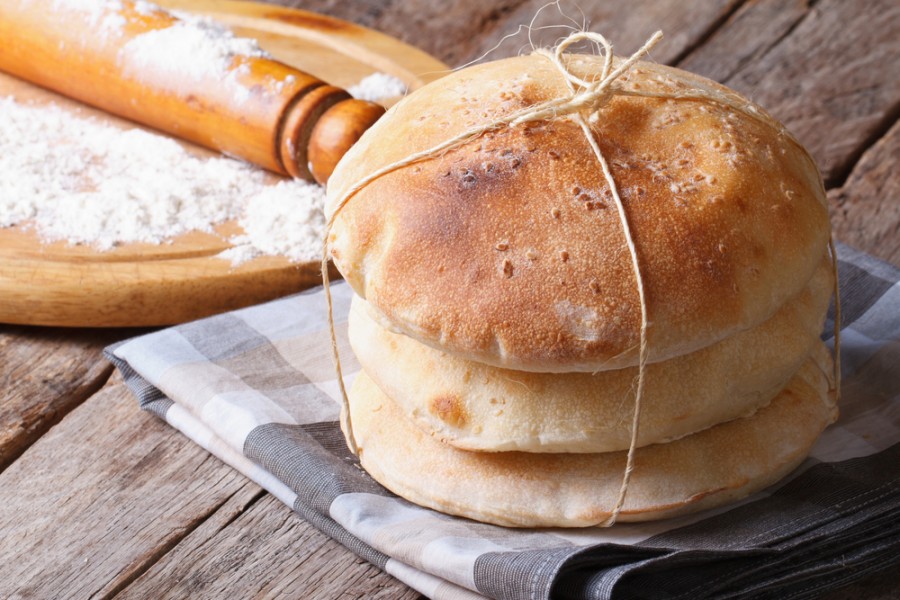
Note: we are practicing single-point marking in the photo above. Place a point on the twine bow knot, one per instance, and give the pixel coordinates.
(588, 95)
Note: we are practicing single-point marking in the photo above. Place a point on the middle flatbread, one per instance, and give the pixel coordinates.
(474, 406)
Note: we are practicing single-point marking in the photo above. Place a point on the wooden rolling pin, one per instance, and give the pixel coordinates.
(194, 82)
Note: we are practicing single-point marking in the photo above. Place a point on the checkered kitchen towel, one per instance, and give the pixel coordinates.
(256, 388)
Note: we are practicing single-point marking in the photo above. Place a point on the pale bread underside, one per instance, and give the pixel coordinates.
(707, 469)
(509, 250)
(479, 407)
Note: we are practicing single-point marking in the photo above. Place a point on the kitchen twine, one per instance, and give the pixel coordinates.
(586, 96)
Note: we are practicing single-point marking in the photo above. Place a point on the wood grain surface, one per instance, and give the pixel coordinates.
(45, 373)
(834, 81)
(101, 496)
(866, 209)
(93, 485)
(266, 550)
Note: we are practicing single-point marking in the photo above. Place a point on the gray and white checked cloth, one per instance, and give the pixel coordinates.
(256, 387)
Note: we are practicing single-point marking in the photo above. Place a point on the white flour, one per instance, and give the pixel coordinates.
(92, 9)
(99, 185)
(192, 51)
(102, 15)
(276, 224)
(378, 86)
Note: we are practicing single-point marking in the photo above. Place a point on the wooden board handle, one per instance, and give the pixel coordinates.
(191, 80)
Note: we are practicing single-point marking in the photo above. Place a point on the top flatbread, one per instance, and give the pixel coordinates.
(509, 249)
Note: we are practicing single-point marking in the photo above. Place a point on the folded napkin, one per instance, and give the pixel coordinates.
(256, 387)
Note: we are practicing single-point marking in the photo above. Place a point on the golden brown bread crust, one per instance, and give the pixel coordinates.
(710, 468)
(473, 406)
(509, 250)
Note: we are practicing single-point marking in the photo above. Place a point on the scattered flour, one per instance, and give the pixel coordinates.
(193, 50)
(103, 15)
(99, 185)
(196, 49)
(274, 226)
(93, 9)
(378, 86)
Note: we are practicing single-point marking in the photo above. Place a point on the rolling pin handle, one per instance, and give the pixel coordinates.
(319, 127)
(297, 125)
(335, 131)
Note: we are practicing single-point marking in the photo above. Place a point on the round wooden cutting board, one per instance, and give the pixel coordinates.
(145, 284)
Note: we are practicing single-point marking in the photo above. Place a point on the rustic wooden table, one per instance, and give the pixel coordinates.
(98, 499)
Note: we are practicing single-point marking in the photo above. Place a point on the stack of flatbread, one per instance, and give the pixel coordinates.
(498, 318)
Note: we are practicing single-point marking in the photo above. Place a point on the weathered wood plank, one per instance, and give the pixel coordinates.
(834, 80)
(751, 31)
(100, 496)
(458, 31)
(45, 373)
(684, 24)
(450, 30)
(884, 585)
(865, 211)
(266, 552)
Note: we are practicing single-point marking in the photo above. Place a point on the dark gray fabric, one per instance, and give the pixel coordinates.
(316, 475)
(820, 495)
(329, 436)
(864, 288)
(149, 397)
(329, 527)
(830, 522)
(532, 574)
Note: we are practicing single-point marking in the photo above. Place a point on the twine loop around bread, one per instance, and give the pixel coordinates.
(586, 98)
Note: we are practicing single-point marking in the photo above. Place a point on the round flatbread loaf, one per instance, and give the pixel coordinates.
(509, 249)
(521, 489)
(474, 406)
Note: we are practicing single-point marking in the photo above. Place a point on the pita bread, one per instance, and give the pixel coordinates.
(474, 406)
(509, 251)
(707, 469)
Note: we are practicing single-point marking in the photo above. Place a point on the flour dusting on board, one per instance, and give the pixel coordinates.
(378, 86)
(100, 185)
(273, 225)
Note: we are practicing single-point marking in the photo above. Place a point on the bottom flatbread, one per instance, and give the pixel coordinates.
(520, 489)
